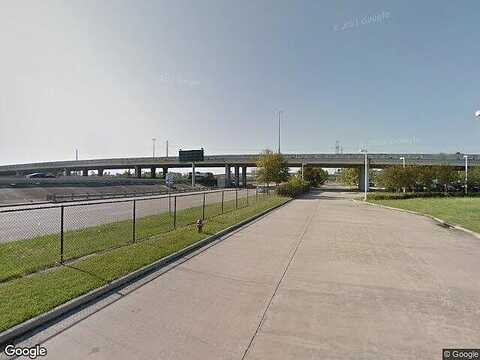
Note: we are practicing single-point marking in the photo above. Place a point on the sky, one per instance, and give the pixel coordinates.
(105, 77)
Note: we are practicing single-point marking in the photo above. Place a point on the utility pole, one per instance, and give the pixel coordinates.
(76, 154)
(193, 174)
(153, 147)
(166, 148)
(279, 128)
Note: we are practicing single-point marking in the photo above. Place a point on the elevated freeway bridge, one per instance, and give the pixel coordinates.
(237, 162)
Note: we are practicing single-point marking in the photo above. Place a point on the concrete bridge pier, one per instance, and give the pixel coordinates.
(153, 172)
(100, 172)
(361, 179)
(164, 172)
(68, 172)
(138, 171)
(244, 176)
(228, 176)
(237, 176)
(85, 172)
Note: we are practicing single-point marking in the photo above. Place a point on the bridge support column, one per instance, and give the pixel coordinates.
(138, 172)
(237, 176)
(100, 172)
(153, 172)
(244, 176)
(164, 172)
(228, 176)
(361, 179)
(85, 172)
(68, 172)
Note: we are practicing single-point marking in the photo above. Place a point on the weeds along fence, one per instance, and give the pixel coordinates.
(33, 239)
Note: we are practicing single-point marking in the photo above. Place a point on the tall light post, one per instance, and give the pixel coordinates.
(279, 128)
(153, 147)
(466, 173)
(366, 173)
(403, 161)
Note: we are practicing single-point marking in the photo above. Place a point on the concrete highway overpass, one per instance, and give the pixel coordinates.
(237, 162)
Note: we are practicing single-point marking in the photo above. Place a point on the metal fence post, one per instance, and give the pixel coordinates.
(169, 203)
(203, 207)
(61, 232)
(247, 197)
(134, 220)
(174, 212)
(223, 196)
(236, 198)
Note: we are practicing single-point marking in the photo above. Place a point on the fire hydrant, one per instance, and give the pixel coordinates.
(199, 225)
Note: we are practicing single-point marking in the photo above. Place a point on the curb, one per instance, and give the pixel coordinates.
(440, 221)
(31, 324)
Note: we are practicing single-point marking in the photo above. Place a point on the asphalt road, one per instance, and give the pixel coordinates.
(321, 278)
(44, 220)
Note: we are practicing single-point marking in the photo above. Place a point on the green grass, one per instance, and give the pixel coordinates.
(456, 211)
(22, 257)
(29, 296)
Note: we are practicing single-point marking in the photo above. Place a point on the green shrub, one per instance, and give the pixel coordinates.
(412, 195)
(294, 187)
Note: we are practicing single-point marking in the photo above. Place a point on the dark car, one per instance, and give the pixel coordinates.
(39, 176)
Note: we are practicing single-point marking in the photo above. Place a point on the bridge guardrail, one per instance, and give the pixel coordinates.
(96, 196)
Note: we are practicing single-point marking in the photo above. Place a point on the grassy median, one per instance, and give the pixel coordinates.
(463, 211)
(22, 257)
(26, 297)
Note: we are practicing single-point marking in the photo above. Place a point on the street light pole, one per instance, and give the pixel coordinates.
(153, 147)
(466, 173)
(366, 173)
(403, 161)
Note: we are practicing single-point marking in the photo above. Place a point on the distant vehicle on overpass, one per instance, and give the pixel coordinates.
(40, 175)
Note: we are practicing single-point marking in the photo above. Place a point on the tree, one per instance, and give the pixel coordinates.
(473, 177)
(396, 178)
(349, 176)
(445, 176)
(271, 167)
(315, 175)
(425, 177)
(430, 178)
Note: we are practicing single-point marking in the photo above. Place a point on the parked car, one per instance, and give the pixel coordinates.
(261, 189)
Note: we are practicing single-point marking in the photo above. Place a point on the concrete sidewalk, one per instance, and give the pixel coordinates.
(321, 278)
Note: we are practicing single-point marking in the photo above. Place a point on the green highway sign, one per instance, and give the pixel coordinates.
(190, 155)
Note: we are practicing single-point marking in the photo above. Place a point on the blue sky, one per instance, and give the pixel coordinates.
(105, 77)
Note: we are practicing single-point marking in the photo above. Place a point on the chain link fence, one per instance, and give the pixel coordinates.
(35, 239)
